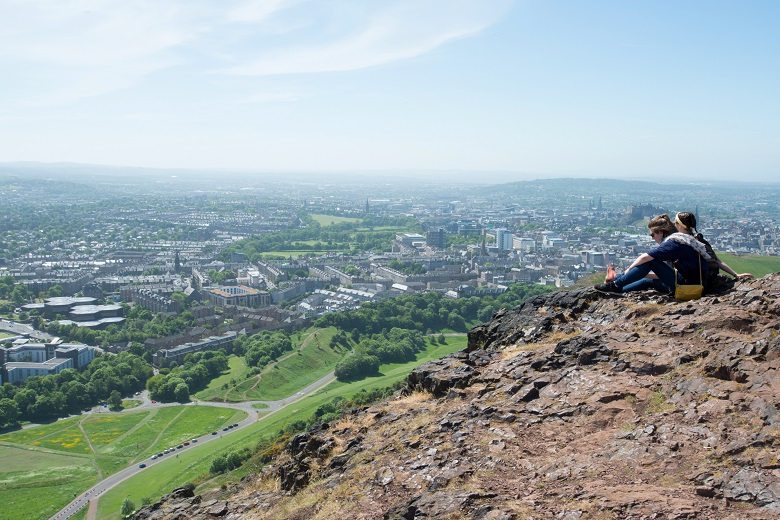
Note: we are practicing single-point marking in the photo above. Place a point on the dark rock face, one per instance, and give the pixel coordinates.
(573, 405)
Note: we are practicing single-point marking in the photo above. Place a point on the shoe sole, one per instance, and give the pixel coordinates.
(610, 293)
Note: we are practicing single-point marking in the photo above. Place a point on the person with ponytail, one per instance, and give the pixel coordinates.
(678, 259)
(686, 223)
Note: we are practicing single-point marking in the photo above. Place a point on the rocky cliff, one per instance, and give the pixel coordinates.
(574, 405)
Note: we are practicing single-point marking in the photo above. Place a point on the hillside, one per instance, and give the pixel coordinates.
(574, 405)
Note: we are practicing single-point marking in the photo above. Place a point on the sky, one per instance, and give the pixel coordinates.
(497, 89)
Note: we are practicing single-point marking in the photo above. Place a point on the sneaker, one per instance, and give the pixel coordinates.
(608, 287)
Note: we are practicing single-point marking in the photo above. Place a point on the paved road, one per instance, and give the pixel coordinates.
(20, 328)
(93, 494)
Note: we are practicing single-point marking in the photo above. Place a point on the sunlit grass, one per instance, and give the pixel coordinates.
(327, 220)
(758, 266)
(55, 459)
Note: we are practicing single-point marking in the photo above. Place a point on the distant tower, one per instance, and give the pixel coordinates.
(601, 206)
(176, 263)
(483, 249)
(366, 206)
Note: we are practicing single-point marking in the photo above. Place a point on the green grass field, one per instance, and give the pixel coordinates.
(44, 466)
(311, 361)
(757, 265)
(294, 254)
(215, 391)
(327, 220)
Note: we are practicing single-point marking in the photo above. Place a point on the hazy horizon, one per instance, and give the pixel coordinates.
(506, 90)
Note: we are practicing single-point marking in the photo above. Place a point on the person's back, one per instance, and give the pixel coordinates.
(713, 281)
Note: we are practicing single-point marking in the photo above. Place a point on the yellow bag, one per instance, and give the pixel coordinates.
(688, 291)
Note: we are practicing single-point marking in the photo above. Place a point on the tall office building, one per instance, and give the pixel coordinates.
(504, 239)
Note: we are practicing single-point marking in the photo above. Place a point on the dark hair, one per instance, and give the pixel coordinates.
(687, 219)
(663, 224)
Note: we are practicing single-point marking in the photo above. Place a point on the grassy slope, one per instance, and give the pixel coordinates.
(757, 265)
(237, 370)
(193, 464)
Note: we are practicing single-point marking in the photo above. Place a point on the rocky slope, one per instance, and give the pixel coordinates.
(574, 405)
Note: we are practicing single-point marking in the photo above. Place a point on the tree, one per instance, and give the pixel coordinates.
(182, 393)
(115, 400)
(9, 412)
(128, 507)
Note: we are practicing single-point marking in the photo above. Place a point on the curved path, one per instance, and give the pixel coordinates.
(91, 496)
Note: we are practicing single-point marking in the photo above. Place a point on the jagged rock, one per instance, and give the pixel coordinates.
(572, 405)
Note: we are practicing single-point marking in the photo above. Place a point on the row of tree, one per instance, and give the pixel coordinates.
(429, 312)
(393, 346)
(41, 398)
(262, 348)
(195, 374)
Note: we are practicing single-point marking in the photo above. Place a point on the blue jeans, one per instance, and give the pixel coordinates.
(635, 280)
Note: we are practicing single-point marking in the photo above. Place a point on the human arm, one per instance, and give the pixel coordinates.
(725, 267)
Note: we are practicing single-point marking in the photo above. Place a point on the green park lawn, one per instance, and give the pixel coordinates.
(757, 265)
(327, 220)
(45, 465)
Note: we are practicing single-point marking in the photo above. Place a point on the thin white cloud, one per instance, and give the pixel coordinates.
(396, 31)
(276, 97)
(257, 10)
(60, 51)
(82, 33)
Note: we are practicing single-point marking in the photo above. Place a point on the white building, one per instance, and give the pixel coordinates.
(504, 239)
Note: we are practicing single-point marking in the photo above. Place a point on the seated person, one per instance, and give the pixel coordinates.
(686, 223)
(685, 254)
(661, 228)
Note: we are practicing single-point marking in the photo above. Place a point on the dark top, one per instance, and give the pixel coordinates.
(684, 258)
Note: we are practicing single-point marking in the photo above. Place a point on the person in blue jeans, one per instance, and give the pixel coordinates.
(656, 268)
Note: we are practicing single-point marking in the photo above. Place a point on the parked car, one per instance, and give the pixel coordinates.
(213, 433)
(142, 465)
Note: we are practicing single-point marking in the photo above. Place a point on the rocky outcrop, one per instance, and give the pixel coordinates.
(574, 405)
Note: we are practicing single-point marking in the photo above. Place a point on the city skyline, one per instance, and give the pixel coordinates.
(515, 90)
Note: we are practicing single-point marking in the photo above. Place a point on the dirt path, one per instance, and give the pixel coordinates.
(86, 436)
(92, 510)
(135, 428)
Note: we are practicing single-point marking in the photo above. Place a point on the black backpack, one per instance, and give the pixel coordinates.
(713, 279)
